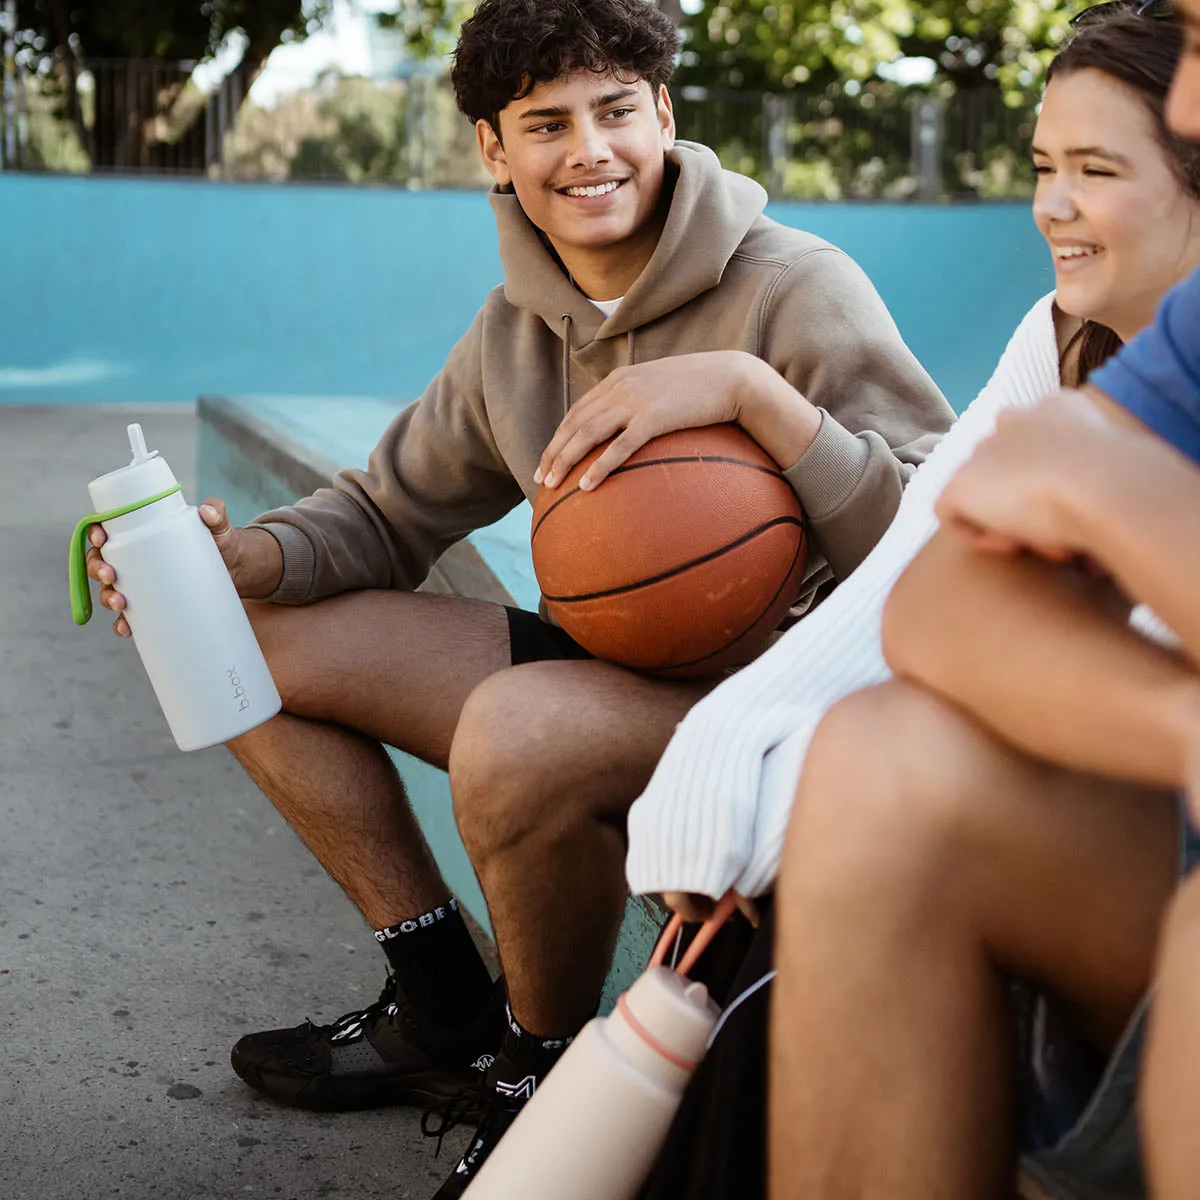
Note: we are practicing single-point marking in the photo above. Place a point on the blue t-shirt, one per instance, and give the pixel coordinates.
(1157, 375)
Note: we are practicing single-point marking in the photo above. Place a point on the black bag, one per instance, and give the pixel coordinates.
(716, 1148)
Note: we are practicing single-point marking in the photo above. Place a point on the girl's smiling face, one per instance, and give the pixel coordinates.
(1121, 226)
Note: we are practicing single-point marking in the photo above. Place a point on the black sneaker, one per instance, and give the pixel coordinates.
(387, 1053)
(501, 1101)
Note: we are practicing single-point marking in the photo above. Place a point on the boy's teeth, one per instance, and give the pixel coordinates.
(601, 190)
(1077, 251)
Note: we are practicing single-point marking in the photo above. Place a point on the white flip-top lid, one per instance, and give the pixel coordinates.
(678, 1012)
(147, 475)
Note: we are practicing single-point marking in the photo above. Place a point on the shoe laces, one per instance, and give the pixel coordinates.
(351, 1025)
(465, 1104)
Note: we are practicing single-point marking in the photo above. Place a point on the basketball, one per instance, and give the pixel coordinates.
(682, 562)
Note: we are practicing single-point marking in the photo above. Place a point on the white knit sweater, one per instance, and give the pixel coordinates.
(715, 812)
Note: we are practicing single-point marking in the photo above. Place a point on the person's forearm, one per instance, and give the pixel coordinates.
(1044, 658)
(259, 565)
(772, 412)
(1142, 521)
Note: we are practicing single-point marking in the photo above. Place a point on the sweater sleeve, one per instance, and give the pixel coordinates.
(881, 413)
(714, 813)
(436, 475)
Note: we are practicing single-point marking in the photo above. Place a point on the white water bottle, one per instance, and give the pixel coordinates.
(187, 621)
(596, 1124)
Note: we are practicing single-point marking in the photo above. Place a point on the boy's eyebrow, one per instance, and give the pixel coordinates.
(561, 110)
(1089, 152)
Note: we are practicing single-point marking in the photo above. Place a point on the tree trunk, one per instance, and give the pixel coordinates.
(146, 121)
(62, 30)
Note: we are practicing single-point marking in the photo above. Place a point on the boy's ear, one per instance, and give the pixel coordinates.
(666, 118)
(491, 150)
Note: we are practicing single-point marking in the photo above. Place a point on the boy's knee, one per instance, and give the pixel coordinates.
(502, 769)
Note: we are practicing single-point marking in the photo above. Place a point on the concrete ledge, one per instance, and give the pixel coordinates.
(260, 453)
(461, 571)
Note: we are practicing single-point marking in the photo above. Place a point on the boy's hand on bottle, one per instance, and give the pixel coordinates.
(251, 556)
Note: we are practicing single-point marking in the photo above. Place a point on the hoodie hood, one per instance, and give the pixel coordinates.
(711, 212)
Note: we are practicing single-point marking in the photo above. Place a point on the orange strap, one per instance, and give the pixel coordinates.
(708, 931)
(649, 1038)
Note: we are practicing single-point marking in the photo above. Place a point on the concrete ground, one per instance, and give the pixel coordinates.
(153, 907)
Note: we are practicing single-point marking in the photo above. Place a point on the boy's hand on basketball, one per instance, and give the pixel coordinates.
(1025, 487)
(254, 566)
(637, 403)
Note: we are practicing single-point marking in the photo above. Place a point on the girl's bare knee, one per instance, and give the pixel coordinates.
(884, 803)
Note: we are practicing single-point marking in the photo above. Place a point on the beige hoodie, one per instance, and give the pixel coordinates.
(723, 276)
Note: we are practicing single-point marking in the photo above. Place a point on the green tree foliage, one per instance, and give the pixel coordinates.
(58, 40)
(771, 45)
(432, 25)
(797, 92)
(841, 126)
(91, 29)
(354, 130)
(429, 26)
(774, 45)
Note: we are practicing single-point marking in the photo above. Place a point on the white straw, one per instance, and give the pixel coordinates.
(137, 443)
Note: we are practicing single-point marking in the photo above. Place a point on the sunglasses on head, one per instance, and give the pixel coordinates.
(1154, 10)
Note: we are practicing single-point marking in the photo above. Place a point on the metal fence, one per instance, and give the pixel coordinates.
(133, 116)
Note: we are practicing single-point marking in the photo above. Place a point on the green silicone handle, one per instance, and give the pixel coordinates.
(81, 596)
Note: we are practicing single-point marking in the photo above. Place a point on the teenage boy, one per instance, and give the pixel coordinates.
(1022, 818)
(621, 249)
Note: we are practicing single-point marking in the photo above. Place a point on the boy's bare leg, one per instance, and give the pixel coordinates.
(355, 671)
(925, 858)
(1171, 1078)
(546, 763)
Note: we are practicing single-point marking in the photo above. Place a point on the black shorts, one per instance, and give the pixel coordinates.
(530, 639)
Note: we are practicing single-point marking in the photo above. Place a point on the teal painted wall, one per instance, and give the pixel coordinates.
(160, 290)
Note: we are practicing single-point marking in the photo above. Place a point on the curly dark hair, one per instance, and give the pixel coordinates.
(1142, 54)
(508, 47)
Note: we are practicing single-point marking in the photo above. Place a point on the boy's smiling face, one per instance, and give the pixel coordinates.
(584, 154)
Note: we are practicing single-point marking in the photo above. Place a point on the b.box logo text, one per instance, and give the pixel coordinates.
(239, 692)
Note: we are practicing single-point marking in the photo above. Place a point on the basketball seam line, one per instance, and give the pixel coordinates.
(658, 462)
(687, 566)
(695, 662)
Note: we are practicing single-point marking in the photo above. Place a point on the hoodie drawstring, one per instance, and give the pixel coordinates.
(566, 363)
(568, 323)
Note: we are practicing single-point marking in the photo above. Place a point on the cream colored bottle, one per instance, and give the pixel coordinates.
(594, 1127)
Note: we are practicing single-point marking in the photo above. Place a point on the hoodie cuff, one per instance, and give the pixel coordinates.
(827, 473)
(299, 561)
